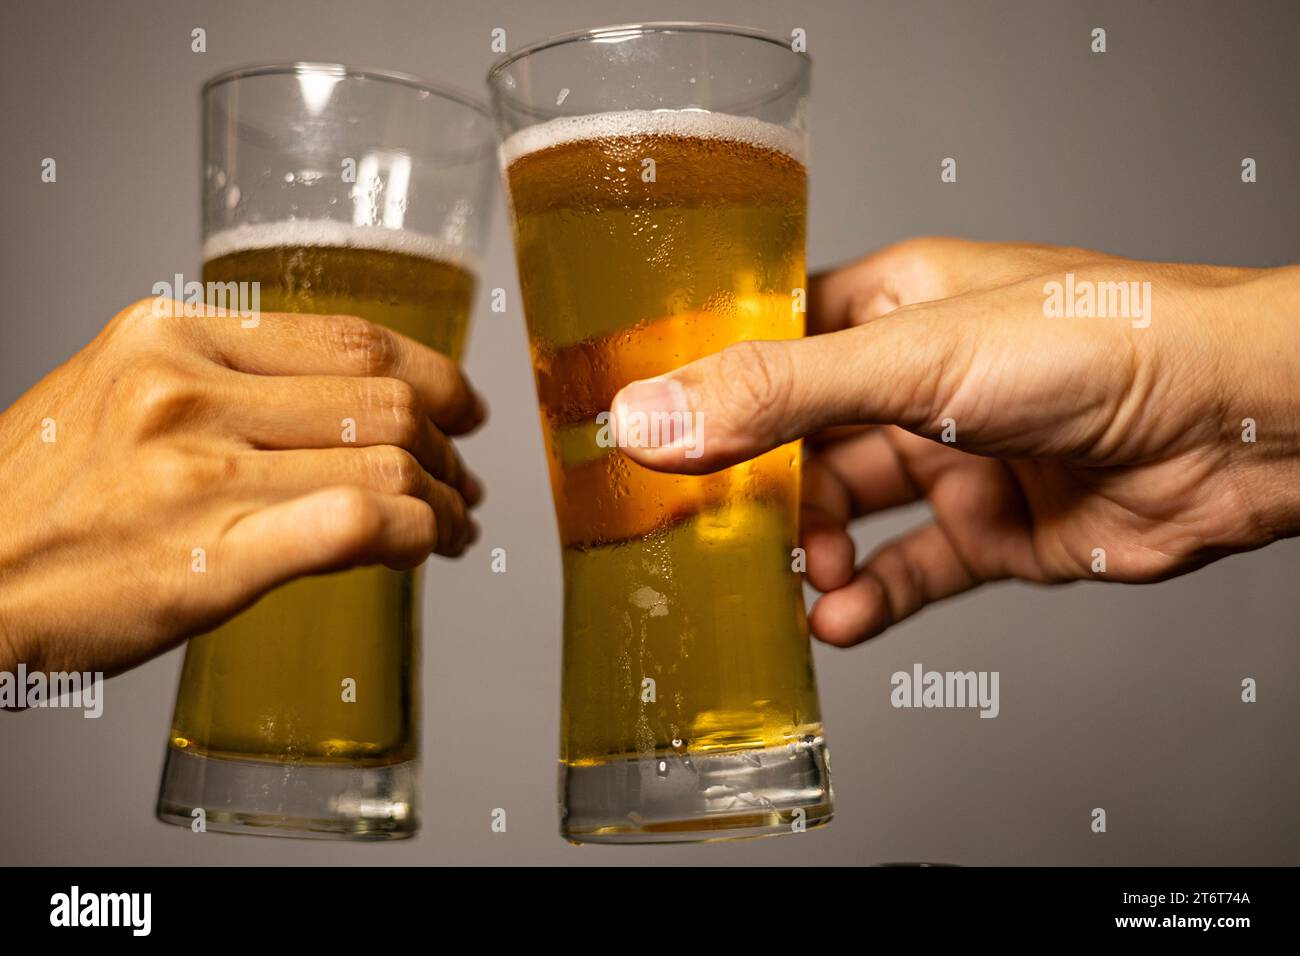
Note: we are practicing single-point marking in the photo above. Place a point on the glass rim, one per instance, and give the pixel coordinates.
(638, 29)
(308, 67)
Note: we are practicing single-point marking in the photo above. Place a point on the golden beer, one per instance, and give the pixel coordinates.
(337, 191)
(268, 685)
(685, 636)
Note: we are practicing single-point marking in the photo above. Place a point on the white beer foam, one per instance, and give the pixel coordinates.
(327, 232)
(693, 122)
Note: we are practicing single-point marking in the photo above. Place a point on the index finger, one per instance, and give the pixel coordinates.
(901, 274)
(924, 270)
(283, 343)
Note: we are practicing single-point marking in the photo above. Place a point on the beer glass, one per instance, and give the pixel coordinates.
(657, 184)
(339, 191)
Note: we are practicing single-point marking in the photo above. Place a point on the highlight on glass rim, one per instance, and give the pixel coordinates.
(918, 378)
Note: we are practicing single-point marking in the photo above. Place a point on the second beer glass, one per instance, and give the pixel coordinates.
(658, 185)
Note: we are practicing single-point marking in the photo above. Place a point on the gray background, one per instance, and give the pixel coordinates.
(1119, 697)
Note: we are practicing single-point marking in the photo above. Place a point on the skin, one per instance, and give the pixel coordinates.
(181, 433)
(1072, 434)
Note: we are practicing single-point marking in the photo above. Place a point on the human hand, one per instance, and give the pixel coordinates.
(1041, 444)
(172, 434)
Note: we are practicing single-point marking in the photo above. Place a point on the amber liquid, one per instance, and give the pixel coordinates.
(684, 625)
(269, 684)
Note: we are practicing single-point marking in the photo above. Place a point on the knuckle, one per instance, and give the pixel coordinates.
(931, 251)
(918, 264)
(352, 518)
(754, 378)
(145, 323)
(140, 314)
(916, 247)
(366, 347)
(396, 470)
(175, 475)
(157, 393)
(867, 303)
(399, 401)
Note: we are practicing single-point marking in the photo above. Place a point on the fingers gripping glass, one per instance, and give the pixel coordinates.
(336, 191)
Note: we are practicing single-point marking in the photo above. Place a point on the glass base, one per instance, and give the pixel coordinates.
(312, 801)
(696, 798)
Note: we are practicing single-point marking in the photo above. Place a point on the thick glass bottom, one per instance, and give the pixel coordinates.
(273, 798)
(693, 798)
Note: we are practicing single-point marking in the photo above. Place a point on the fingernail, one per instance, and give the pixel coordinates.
(657, 404)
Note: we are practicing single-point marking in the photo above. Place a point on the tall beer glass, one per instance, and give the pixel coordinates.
(657, 184)
(338, 191)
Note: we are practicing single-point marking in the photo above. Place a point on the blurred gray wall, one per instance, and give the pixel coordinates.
(1119, 697)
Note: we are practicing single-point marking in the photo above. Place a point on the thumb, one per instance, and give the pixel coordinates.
(754, 396)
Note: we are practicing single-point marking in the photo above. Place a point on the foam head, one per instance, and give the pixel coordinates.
(325, 232)
(700, 124)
